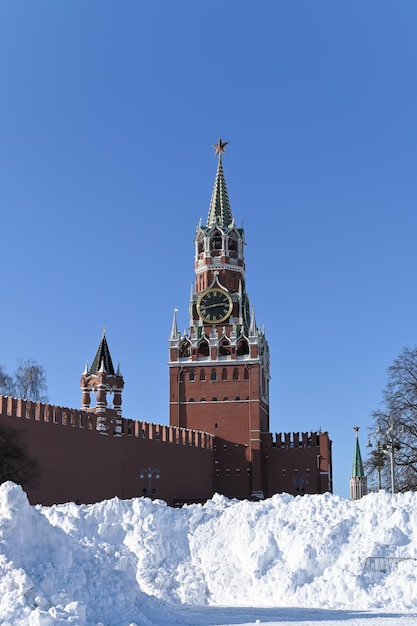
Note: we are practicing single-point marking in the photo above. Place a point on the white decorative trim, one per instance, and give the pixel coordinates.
(220, 266)
(203, 362)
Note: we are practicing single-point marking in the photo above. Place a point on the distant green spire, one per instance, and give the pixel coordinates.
(357, 467)
(219, 210)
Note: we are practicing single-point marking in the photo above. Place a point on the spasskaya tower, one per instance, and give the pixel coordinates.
(219, 367)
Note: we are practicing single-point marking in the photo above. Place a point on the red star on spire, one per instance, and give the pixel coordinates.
(220, 147)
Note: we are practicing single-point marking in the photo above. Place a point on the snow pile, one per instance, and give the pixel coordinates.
(134, 561)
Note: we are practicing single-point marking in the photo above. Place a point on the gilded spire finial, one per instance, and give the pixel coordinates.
(220, 146)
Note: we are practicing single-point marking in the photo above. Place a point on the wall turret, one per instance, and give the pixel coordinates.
(102, 380)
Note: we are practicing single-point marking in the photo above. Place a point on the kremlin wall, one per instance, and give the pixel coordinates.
(78, 462)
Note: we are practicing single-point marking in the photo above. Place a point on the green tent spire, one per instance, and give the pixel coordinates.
(357, 467)
(219, 210)
(102, 358)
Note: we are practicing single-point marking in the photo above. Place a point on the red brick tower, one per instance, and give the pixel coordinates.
(219, 368)
(102, 379)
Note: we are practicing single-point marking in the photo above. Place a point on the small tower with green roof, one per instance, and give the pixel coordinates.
(102, 379)
(358, 486)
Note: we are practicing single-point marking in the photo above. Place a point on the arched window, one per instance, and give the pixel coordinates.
(185, 349)
(191, 400)
(203, 348)
(213, 375)
(192, 376)
(202, 400)
(224, 347)
(214, 399)
(225, 399)
(242, 347)
(216, 241)
(235, 373)
(232, 242)
(224, 373)
(203, 374)
(246, 374)
(237, 398)
(200, 244)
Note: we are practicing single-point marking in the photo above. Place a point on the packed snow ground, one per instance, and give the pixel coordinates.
(281, 561)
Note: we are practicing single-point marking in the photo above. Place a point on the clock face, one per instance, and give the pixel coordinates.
(214, 306)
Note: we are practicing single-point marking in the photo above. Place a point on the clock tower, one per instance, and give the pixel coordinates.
(219, 367)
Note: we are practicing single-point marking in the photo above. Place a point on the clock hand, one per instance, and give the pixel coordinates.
(211, 306)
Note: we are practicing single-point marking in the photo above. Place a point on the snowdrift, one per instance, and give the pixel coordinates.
(131, 562)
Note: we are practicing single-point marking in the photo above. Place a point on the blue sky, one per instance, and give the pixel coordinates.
(107, 116)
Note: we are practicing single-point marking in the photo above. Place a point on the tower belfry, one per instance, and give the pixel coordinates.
(102, 379)
(219, 367)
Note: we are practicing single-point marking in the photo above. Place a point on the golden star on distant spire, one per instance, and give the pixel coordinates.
(220, 147)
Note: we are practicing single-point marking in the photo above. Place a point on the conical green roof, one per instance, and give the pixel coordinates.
(102, 356)
(219, 210)
(357, 467)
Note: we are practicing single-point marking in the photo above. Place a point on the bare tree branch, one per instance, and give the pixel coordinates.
(400, 410)
(6, 383)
